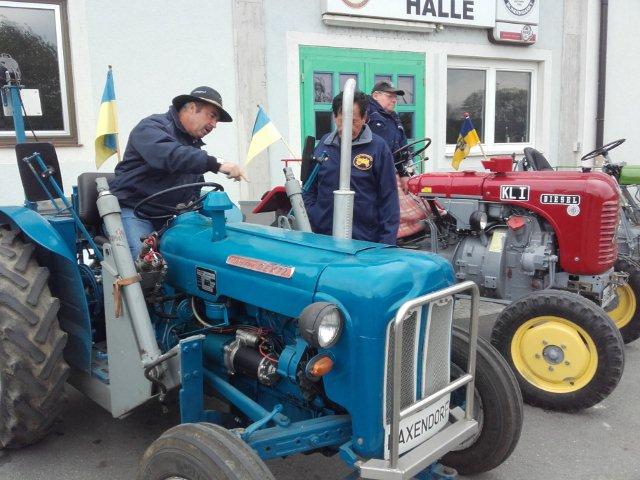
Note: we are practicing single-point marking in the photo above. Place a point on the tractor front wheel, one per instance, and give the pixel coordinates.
(194, 451)
(566, 352)
(625, 309)
(32, 370)
(497, 406)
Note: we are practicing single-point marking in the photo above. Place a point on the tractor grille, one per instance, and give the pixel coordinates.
(426, 343)
(608, 251)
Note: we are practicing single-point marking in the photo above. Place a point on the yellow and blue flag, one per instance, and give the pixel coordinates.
(107, 129)
(264, 134)
(467, 138)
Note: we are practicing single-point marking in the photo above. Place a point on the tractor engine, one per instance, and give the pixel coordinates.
(513, 254)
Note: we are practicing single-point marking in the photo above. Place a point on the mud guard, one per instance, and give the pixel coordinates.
(66, 283)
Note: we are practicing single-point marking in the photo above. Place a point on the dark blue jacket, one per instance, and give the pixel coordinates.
(389, 127)
(376, 211)
(160, 154)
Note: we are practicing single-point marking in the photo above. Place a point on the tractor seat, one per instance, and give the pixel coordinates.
(536, 160)
(87, 197)
(33, 190)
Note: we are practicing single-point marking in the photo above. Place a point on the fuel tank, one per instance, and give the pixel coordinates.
(582, 208)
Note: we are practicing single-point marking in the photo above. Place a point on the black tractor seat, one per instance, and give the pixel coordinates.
(536, 160)
(87, 208)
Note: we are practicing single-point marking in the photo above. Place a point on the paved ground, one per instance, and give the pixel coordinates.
(598, 444)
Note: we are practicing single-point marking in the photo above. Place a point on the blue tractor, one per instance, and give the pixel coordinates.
(307, 343)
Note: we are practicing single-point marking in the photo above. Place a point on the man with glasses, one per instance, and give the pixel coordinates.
(385, 122)
(376, 213)
(164, 151)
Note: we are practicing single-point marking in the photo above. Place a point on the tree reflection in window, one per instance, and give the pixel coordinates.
(465, 93)
(513, 101)
(30, 36)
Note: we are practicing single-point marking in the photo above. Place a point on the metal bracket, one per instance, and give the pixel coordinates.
(261, 423)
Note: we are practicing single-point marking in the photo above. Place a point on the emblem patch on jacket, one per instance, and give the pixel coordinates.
(362, 161)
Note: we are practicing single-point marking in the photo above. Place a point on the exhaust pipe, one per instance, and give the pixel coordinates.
(343, 197)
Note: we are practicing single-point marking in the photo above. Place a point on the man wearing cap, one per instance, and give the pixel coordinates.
(376, 213)
(164, 151)
(385, 122)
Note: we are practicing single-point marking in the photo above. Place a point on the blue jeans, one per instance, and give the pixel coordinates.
(134, 228)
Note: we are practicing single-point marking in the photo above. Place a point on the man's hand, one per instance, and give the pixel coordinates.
(404, 184)
(233, 171)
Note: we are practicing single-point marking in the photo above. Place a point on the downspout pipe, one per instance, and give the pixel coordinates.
(602, 72)
(343, 197)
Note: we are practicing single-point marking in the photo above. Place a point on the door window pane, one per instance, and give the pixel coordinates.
(406, 83)
(323, 123)
(513, 104)
(322, 87)
(382, 78)
(407, 119)
(30, 36)
(346, 76)
(465, 93)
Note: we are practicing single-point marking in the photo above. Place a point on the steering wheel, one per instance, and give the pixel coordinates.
(407, 148)
(173, 211)
(603, 150)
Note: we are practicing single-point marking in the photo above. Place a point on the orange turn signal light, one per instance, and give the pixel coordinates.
(321, 366)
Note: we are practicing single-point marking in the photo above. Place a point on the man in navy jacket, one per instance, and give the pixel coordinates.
(376, 213)
(384, 121)
(164, 151)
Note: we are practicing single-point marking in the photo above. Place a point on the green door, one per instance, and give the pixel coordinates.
(324, 72)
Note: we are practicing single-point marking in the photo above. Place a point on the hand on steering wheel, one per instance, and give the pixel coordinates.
(603, 149)
(177, 210)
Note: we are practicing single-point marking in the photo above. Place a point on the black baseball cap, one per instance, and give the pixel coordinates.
(207, 95)
(385, 86)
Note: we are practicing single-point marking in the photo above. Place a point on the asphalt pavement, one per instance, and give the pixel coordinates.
(601, 443)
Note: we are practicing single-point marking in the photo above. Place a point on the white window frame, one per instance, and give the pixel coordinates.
(62, 71)
(490, 66)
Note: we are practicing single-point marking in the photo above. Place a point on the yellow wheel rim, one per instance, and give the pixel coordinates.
(626, 307)
(554, 354)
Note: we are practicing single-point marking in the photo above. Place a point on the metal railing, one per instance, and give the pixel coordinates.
(422, 455)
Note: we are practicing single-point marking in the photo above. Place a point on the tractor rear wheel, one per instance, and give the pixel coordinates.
(194, 451)
(566, 352)
(497, 406)
(32, 370)
(625, 311)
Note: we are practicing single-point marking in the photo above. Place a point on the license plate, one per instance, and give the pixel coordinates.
(420, 426)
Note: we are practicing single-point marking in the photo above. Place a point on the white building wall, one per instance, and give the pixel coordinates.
(623, 71)
(287, 26)
(158, 49)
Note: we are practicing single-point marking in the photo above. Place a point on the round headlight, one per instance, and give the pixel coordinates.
(321, 324)
(478, 220)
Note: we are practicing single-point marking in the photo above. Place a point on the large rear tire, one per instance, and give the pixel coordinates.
(566, 352)
(195, 451)
(32, 370)
(498, 407)
(625, 311)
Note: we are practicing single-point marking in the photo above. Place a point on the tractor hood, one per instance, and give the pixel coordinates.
(282, 270)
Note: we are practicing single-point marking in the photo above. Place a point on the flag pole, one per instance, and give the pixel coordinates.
(293, 155)
(117, 135)
(482, 150)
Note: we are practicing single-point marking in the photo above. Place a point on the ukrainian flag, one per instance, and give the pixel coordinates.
(107, 129)
(467, 138)
(264, 134)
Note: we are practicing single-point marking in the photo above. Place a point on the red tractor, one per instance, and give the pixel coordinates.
(544, 242)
